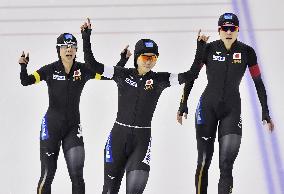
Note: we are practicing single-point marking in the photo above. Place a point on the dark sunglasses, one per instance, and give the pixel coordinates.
(231, 28)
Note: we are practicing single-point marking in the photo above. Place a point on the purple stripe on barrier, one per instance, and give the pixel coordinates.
(275, 146)
(265, 160)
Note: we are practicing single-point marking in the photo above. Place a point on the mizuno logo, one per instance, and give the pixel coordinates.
(111, 177)
(49, 154)
(218, 53)
(240, 123)
(206, 138)
(147, 157)
(218, 58)
(130, 82)
(80, 131)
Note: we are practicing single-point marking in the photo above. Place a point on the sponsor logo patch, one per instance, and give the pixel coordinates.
(58, 77)
(240, 122)
(147, 157)
(149, 44)
(228, 16)
(108, 150)
(44, 129)
(218, 58)
(80, 131)
(198, 114)
(130, 82)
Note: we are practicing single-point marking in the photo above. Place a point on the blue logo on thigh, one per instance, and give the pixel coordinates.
(108, 149)
(44, 129)
(198, 114)
(147, 157)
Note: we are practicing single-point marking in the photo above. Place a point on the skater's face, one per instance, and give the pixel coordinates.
(146, 62)
(68, 52)
(228, 33)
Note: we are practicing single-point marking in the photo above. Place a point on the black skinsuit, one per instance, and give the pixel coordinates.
(61, 122)
(220, 106)
(129, 143)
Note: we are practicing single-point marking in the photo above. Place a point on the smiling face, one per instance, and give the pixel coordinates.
(68, 53)
(228, 33)
(146, 62)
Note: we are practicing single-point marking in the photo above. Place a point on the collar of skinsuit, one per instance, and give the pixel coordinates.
(145, 46)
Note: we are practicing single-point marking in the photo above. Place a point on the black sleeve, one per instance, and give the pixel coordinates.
(36, 77)
(89, 58)
(163, 79)
(97, 68)
(183, 108)
(204, 48)
(121, 63)
(260, 88)
(123, 59)
(196, 66)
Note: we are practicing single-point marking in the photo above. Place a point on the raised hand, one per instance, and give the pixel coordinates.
(202, 36)
(24, 59)
(126, 52)
(86, 25)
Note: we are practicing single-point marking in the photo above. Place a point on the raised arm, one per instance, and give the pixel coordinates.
(195, 68)
(97, 68)
(124, 56)
(192, 74)
(260, 88)
(88, 54)
(34, 78)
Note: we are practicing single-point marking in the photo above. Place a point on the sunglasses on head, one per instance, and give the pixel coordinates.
(231, 28)
(145, 58)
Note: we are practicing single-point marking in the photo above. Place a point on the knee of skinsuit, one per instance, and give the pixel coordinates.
(77, 179)
(78, 183)
(136, 181)
(44, 184)
(75, 161)
(48, 170)
(107, 190)
(226, 168)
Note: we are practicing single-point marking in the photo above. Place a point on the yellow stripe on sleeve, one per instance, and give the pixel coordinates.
(37, 77)
(98, 76)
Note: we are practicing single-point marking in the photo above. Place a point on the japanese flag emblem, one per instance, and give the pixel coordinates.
(237, 56)
(149, 82)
